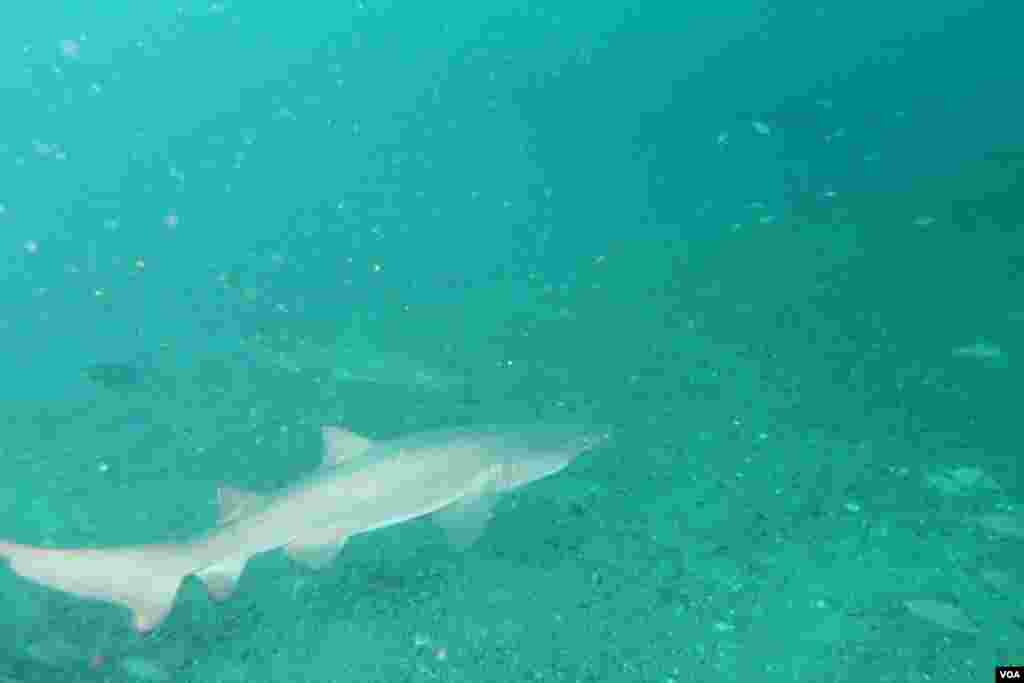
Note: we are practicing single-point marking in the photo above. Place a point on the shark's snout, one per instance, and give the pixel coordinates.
(536, 453)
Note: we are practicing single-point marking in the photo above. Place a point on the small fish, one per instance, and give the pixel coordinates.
(1003, 524)
(350, 360)
(361, 485)
(114, 375)
(941, 614)
(984, 351)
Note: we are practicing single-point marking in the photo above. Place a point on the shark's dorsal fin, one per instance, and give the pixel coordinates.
(341, 445)
(234, 502)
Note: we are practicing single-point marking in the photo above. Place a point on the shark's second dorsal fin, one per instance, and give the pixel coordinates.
(234, 502)
(341, 445)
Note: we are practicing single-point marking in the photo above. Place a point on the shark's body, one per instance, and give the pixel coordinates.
(361, 486)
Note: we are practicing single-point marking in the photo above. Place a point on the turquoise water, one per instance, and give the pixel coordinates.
(776, 249)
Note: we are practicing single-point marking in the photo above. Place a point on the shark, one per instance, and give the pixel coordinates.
(361, 485)
(344, 354)
(351, 361)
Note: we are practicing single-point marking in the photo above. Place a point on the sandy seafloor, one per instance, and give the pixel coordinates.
(761, 511)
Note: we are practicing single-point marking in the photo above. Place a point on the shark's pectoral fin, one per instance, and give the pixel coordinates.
(465, 520)
(222, 578)
(318, 550)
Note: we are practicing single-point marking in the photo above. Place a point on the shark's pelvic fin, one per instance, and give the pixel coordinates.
(221, 579)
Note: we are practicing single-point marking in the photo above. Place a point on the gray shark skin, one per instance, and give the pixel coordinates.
(362, 485)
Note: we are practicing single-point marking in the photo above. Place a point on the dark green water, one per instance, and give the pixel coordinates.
(777, 248)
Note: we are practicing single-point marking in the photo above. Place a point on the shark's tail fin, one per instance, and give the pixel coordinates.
(144, 579)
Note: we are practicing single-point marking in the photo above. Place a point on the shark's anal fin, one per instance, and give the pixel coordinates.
(317, 550)
(464, 520)
(341, 445)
